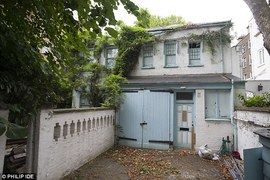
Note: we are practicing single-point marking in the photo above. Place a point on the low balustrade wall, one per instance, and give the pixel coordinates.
(68, 138)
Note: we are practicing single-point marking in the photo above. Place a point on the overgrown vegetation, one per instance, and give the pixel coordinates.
(40, 50)
(256, 101)
(147, 20)
(213, 38)
(102, 86)
(129, 43)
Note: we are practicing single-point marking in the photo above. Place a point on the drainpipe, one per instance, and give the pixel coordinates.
(222, 53)
(232, 121)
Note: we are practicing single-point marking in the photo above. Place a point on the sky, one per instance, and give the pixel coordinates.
(196, 11)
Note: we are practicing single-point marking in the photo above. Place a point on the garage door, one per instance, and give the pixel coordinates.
(145, 119)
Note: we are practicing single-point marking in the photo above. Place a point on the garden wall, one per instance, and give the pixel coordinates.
(249, 120)
(69, 138)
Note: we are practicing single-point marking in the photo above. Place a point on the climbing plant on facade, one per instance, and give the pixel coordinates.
(129, 43)
(214, 38)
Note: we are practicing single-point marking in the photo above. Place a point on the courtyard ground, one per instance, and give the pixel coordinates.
(130, 163)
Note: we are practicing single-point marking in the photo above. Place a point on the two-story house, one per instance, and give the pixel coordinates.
(179, 94)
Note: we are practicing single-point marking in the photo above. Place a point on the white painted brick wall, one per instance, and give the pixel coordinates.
(58, 158)
(247, 123)
(3, 114)
(209, 132)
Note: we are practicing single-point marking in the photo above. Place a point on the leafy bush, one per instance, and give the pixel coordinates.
(112, 91)
(256, 101)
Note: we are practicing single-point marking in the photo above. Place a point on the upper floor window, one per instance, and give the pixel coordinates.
(148, 56)
(170, 53)
(194, 51)
(261, 56)
(250, 61)
(111, 53)
(217, 104)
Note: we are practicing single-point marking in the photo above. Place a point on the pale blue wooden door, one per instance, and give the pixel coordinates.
(184, 125)
(144, 120)
(156, 113)
(129, 129)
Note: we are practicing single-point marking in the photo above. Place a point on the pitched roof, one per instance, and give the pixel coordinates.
(189, 78)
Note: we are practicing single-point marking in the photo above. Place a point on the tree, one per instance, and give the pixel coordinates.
(41, 48)
(146, 20)
(261, 13)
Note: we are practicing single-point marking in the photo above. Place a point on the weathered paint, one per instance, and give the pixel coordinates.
(209, 132)
(184, 125)
(248, 122)
(145, 119)
(221, 62)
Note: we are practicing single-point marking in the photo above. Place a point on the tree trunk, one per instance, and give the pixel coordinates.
(261, 13)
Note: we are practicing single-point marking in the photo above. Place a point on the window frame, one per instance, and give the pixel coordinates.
(166, 43)
(218, 116)
(199, 59)
(106, 56)
(261, 56)
(147, 56)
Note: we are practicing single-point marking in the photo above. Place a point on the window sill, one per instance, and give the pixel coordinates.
(218, 120)
(195, 65)
(170, 66)
(147, 67)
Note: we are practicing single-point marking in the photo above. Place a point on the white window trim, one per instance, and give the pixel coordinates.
(143, 57)
(165, 55)
(215, 118)
(261, 51)
(201, 52)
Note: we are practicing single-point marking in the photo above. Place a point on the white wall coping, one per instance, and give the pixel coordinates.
(259, 118)
(59, 111)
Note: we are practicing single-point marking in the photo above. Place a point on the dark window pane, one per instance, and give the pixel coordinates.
(184, 96)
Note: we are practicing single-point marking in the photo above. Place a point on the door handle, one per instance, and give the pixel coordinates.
(143, 123)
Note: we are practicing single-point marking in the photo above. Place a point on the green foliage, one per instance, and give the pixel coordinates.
(90, 83)
(12, 130)
(28, 78)
(129, 43)
(146, 20)
(256, 101)
(214, 38)
(112, 91)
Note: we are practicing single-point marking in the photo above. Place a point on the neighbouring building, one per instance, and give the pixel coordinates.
(243, 47)
(179, 94)
(259, 55)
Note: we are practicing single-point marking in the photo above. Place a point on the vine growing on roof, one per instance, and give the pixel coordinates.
(214, 38)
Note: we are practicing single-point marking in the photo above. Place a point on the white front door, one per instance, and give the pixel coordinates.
(184, 125)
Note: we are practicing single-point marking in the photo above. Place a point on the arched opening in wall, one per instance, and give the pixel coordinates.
(65, 130)
(72, 128)
(89, 125)
(78, 126)
(56, 132)
(84, 125)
